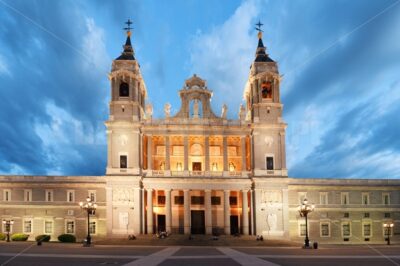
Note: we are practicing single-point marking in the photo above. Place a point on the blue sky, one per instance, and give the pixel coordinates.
(340, 62)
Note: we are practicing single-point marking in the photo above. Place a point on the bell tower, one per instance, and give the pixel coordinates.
(264, 111)
(128, 93)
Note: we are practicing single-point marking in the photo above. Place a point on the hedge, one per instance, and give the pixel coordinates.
(3, 236)
(19, 237)
(42, 238)
(67, 238)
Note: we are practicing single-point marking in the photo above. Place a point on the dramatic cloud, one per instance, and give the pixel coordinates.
(339, 60)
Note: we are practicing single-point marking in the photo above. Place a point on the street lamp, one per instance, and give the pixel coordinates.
(90, 207)
(388, 231)
(304, 209)
(7, 224)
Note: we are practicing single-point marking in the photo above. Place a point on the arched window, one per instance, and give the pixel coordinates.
(124, 90)
(266, 90)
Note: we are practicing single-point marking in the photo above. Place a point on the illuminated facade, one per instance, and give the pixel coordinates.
(196, 172)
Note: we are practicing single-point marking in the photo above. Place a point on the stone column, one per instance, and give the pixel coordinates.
(207, 206)
(137, 207)
(109, 210)
(245, 212)
(185, 153)
(227, 213)
(150, 211)
(109, 148)
(283, 150)
(168, 210)
(225, 152)
(149, 152)
(207, 153)
(243, 142)
(167, 161)
(252, 211)
(186, 211)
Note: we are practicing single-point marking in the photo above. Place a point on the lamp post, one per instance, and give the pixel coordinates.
(7, 224)
(388, 231)
(90, 207)
(304, 209)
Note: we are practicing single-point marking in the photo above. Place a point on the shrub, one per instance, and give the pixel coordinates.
(42, 238)
(19, 237)
(3, 236)
(67, 238)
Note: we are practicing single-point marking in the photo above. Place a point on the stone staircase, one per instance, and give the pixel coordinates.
(195, 240)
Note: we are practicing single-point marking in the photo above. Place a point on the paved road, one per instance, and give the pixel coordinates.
(75, 254)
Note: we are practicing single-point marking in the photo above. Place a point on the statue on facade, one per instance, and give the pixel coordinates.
(149, 111)
(224, 111)
(196, 109)
(242, 113)
(167, 110)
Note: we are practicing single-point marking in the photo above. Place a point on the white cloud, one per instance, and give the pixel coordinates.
(4, 67)
(223, 56)
(94, 47)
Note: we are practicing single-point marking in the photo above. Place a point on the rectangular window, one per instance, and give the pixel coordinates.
(387, 215)
(367, 230)
(215, 200)
(27, 226)
(48, 227)
(344, 198)
(365, 198)
(123, 161)
(197, 200)
(7, 195)
(386, 198)
(70, 227)
(92, 195)
(49, 195)
(28, 195)
(270, 163)
(161, 200)
(92, 227)
(232, 200)
(302, 229)
(366, 214)
(70, 196)
(323, 198)
(178, 200)
(346, 215)
(346, 229)
(325, 229)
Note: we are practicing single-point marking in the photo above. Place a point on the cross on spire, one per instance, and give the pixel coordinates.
(129, 23)
(259, 25)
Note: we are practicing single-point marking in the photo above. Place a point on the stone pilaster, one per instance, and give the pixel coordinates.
(245, 214)
(208, 217)
(167, 154)
(225, 152)
(168, 210)
(207, 153)
(149, 152)
(227, 213)
(150, 211)
(186, 211)
(243, 144)
(185, 153)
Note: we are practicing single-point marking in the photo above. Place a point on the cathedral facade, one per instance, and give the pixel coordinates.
(196, 172)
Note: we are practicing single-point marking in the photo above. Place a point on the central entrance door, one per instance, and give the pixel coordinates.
(234, 224)
(198, 222)
(196, 166)
(161, 223)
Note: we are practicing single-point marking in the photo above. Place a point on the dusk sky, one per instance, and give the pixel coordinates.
(340, 62)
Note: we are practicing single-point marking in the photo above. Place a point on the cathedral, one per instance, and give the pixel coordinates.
(196, 172)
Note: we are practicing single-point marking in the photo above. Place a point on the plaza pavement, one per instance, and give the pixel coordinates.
(28, 253)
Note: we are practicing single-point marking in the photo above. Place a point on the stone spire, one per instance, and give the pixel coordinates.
(261, 55)
(128, 53)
